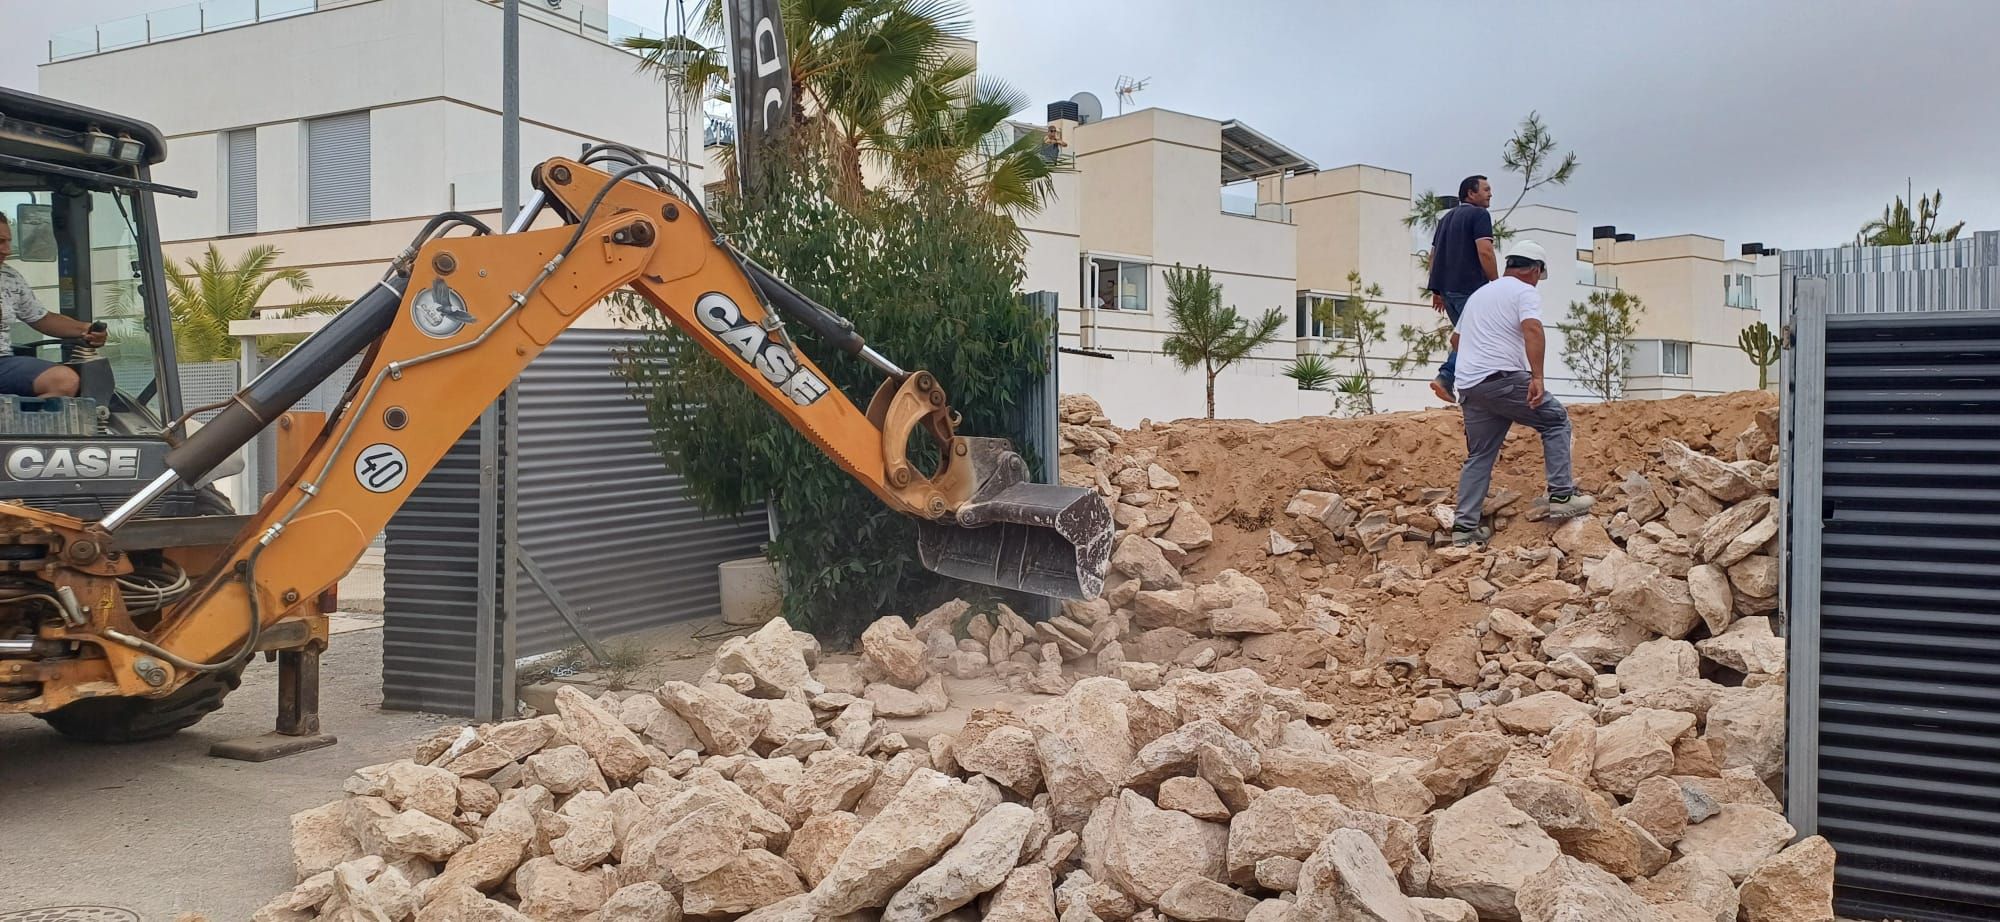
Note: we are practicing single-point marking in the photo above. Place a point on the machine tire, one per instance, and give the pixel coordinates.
(132, 720)
(210, 501)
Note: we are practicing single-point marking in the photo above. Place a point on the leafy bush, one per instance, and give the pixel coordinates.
(928, 276)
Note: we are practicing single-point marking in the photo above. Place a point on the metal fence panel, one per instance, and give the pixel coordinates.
(613, 531)
(431, 589)
(1893, 584)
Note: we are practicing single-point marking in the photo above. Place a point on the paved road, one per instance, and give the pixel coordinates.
(160, 828)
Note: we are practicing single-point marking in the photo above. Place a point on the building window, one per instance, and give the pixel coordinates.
(1117, 285)
(1737, 291)
(337, 174)
(1316, 315)
(240, 179)
(1676, 358)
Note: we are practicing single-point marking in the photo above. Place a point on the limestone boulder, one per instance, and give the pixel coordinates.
(773, 657)
(1194, 797)
(927, 815)
(1346, 879)
(979, 862)
(616, 750)
(997, 744)
(1084, 741)
(549, 891)
(1747, 646)
(1630, 750)
(1738, 838)
(1661, 663)
(1540, 713)
(1465, 763)
(1708, 587)
(645, 901)
(1719, 479)
(1568, 890)
(1027, 895)
(1177, 753)
(817, 844)
(1695, 889)
(1598, 638)
(711, 712)
(1484, 851)
(1141, 559)
(1148, 850)
(1755, 576)
(1199, 898)
(891, 651)
(752, 880)
(1650, 598)
(1746, 729)
(1796, 885)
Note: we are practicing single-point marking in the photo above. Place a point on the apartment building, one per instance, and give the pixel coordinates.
(1696, 299)
(364, 119)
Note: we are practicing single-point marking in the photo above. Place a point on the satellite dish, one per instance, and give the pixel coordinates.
(1088, 109)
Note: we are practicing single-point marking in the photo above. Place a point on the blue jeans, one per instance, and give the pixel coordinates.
(1454, 305)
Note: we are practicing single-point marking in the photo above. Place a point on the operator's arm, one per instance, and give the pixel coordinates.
(67, 327)
(1487, 260)
(1537, 343)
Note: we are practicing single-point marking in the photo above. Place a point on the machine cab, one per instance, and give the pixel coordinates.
(77, 196)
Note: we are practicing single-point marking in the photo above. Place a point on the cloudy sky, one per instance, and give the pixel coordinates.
(1783, 121)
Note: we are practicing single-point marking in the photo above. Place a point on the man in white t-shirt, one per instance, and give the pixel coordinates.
(1500, 350)
(24, 375)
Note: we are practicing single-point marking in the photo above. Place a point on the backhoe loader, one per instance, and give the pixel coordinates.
(130, 600)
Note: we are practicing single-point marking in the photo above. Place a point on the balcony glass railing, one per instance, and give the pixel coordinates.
(169, 23)
(1741, 297)
(216, 15)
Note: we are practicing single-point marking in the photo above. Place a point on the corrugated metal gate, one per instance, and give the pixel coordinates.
(608, 527)
(1893, 582)
(596, 519)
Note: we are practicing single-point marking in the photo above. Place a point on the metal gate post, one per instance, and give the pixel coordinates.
(488, 551)
(1803, 451)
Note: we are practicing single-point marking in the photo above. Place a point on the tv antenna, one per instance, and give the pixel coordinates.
(1126, 87)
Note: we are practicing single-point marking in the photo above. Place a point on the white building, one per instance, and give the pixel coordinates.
(1153, 189)
(333, 133)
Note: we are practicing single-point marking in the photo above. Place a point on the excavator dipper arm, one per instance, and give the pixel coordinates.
(469, 315)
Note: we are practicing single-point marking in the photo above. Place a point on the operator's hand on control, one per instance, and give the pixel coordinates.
(1437, 302)
(94, 338)
(1535, 392)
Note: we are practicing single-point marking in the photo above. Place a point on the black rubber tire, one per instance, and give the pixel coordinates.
(132, 720)
(210, 501)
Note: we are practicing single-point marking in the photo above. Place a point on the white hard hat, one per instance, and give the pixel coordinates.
(1527, 249)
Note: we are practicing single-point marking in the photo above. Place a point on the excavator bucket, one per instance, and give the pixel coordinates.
(1039, 538)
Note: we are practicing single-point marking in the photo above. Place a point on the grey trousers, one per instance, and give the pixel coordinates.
(1491, 408)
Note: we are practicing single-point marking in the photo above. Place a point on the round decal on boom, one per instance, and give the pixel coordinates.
(381, 467)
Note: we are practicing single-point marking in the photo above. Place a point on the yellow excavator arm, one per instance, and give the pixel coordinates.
(452, 323)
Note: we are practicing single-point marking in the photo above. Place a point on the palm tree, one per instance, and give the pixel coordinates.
(1205, 332)
(882, 79)
(1900, 226)
(208, 294)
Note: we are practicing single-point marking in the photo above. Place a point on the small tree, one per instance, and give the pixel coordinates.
(1356, 394)
(1899, 225)
(1360, 329)
(1761, 345)
(1205, 332)
(1530, 154)
(1597, 337)
(209, 294)
(1312, 372)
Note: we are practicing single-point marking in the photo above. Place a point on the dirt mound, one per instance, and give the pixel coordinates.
(1241, 474)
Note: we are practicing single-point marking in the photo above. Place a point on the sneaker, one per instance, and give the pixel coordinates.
(1442, 391)
(1467, 537)
(1571, 506)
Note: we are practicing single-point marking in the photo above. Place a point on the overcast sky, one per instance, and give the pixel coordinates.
(1783, 121)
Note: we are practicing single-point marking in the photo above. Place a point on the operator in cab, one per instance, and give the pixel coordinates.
(24, 375)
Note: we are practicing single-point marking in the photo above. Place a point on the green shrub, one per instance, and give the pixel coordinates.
(928, 277)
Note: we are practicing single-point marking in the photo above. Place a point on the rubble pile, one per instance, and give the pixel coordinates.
(1358, 722)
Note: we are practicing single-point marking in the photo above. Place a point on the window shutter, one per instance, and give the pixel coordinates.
(337, 172)
(242, 167)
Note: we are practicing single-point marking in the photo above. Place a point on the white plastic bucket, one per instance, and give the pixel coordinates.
(750, 593)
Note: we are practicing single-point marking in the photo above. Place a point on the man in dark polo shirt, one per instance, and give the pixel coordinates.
(1462, 260)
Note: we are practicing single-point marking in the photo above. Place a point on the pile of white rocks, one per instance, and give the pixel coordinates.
(764, 796)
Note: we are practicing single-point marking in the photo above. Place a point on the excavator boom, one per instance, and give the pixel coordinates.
(454, 321)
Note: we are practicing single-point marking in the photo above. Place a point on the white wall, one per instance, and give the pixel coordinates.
(427, 73)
